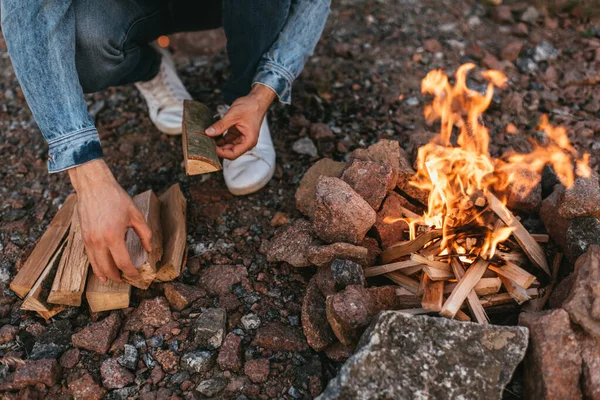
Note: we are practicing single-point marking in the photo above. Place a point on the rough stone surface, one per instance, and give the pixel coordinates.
(230, 356)
(258, 370)
(34, 372)
(290, 244)
(278, 337)
(407, 357)
(70, 359)
(218, 279)
(405, 174)
(349, 312)
(211, 387)
(341, 215)
(150, 313)
(180, 295)
(520, 196)
(561, 292)
(114, 376)
(555, 224)
(85, 388)
(167, 359)
(321, 132)
(583, 303)
(198, 361)
(582, 199)
(373, 250)
(581, 234)
(324, 255)
(98, 336)
(305, 146)
(590, 377)
(53, 341)
(384, 151)
(387, 231)
(553, 362)
(8, 333)
(370, 179)
(339, 352)
(209, 328)
(129, 358)
(346, 273)
(511, 51)
(314, 318)
(305, 195)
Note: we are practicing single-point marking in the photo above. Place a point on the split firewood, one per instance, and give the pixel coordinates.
(382, 269)
(463, 288)
(144, 261)
(413, 270)
(173, 222)
(436, 274)
(431, 263)
(515, 273)
(393, 253)
(69, 281)
(503, 298)
(199, 150)
(540, 237)
(108, 296)
(532, 248)
(518, 293)
(36, 299)
(472, 299)
(513, 256)
(45, 249)
(484, 287)
(433, 294)
(461, 316)
(406, 282)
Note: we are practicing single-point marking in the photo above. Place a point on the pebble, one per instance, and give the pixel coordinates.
(258, 370)
(412, 101)
(181, 296)
(114, 376)
(98, 336)
(129, 358)
(211, 387)
(86, 388)
(251, 321)
(70, 359)
(150, 313)
(198, 361)
(305, 146)
(230, 356)
(209, 328)
(544, 51)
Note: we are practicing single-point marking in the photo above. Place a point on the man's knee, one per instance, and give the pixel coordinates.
(99, 62)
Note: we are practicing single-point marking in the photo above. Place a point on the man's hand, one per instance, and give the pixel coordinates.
(243, 121)
(106, 212)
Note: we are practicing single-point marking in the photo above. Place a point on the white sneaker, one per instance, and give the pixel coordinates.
(164, 95)
(254, 169)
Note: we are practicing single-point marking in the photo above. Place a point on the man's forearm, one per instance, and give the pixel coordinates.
(40, 36)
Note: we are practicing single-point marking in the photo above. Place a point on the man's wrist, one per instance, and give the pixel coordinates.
(264, 95)
(90, 174)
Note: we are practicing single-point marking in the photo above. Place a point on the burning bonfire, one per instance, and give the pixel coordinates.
(468, 245)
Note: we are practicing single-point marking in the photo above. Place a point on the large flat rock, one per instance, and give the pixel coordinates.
(418, 357)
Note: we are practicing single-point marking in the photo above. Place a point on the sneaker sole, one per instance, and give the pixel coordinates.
(254, 188)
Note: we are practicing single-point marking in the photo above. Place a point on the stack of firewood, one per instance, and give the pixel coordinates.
(57, 272)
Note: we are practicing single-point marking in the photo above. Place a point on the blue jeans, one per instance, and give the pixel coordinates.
(113, 36)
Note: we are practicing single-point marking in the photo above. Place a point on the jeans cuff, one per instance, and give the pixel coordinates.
(74, 149)
(277, 78)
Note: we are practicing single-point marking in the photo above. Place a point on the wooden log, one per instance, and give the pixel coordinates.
(173, 211)
(463, 288)
(393, 253)
(383, 269)
(513, 256)
(515, 273)
(461, 316)
(433, 294)
(45, 249)
(413, 270)
(37, 296)
(438, 274)
(518, 293)
(108, 296)
(503, 298)
(540, 237)
(407, 299)
(199, 150)
(433, 264)
(530, 247)
(484, 287)
(539, 303)
(410, 284)
(472, 299)
(69, 281)
(145, 262)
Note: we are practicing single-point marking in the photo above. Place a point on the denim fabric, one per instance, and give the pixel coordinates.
(61, 48)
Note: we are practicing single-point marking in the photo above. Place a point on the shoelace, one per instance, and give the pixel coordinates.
(156, 90)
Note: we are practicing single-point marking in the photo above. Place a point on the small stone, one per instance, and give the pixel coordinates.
(305, 146)
(349, 312)
(324, 281)
(590, 377)
(181, 296)
(167, 359)
(555, 224)
(278, 337)
(511, 51)
(279, 219)
(373, 250)
(8, 333)
(581, 234)
(321, 132)
(114, 376)
(324, 255)
(290, 244)
(129, 358)
(150, 313)
(339, 352)
(561, 291)
(198, 361)
(250, 321)
(583, 303)
(345, 273)
(34, 372)
(405, 174)
(491, 61)
(230, 356)
(98, 336)
(411, 101)
(530, 15)
(219, 279)
(502, 14)
(70, 359)
(544, 51)
(299, 121)
(432, 46)
(388, 226)
(553, 362)
(316, 328)
(305, 194)
(581, 200)
(211, 387)
(341, 215)
(85, 388)
(229, 302)
(521, 196)
(257, 370)
(209, 328)
(371, 180)
(520, 30)
(384, 151)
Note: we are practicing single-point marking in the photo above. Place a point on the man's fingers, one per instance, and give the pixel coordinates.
(95, 268)
(233, 151)
(107, 265)
(219, 127)
(123, 260)
(141, 228)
